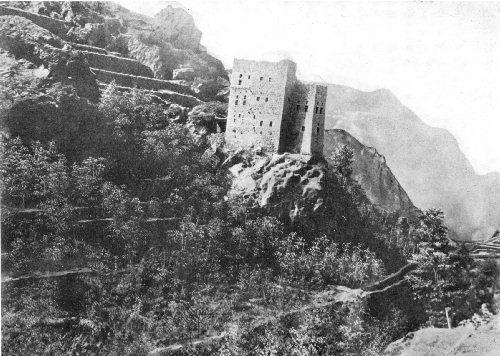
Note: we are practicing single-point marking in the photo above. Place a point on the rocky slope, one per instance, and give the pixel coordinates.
(298, 187)
(427, 161)
(371, 172)
(460, 341)
(164, 43)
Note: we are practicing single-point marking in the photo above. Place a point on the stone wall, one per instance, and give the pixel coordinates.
(257, 103)
(87, 48)
(117, 64)
(306, 114)
(185, 100)
(269, 108)
(57, 27)
(133, 81)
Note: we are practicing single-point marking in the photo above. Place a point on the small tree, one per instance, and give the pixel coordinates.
(445, 274)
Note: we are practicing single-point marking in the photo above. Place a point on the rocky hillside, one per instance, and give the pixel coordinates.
(114, 39)
(299, 187)
(427, 161)
(371, 171)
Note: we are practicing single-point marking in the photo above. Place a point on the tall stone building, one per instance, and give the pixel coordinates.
(270, 108)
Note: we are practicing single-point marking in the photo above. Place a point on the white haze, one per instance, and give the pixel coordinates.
(441, 59)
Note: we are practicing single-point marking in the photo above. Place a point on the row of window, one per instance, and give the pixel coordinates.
(318, 103)
(245, 101)
(269, 79)
(317, 110)
(241, 132)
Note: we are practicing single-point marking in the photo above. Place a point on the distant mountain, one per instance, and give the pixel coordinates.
(427, 161)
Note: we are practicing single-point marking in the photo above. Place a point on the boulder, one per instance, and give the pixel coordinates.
(176, 25)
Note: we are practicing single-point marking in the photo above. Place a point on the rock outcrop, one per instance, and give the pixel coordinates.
(427, 161)
(289, 185)
(176, 26)
(370, 170)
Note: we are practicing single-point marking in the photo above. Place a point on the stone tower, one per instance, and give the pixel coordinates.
(269, 108)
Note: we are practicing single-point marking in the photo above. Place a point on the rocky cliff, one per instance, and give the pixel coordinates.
(370, 170)
(427, 161)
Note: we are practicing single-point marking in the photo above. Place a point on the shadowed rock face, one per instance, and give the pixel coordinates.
(371, 172)
(427, 161)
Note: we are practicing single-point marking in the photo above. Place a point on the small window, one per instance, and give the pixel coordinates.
(235, 120)
(245, 97)
(303, 128)
(248, 77)
(236, 102)
(261, 123)
(267, 99)
(288, 99)
(239, 82)
(258, 98)
(239, 115)
(270, 133)
(298, 107)
(316, 111)
(261, 78)
(270, 124)
(305, 108)
(269, 78)
(307, 102)
(244, 102)
(317, 129)
(241, 75)
(321, 110)
(234, 130)
(237, 96)
(261, 132)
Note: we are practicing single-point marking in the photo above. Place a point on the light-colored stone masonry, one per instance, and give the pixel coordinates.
(269, 108)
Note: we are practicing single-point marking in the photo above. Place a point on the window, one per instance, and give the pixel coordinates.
(245, 97)
(235, 120)
(269, 78)
(236, 102)
(288, 99)
(244, 102)
(237, 96)
(305, 108)
(261, 132)
(261, 78)
(239, 82)
(241, 75)
(258, 98)
(239, 115)
(303, 128)
(298, 107)
(248, 77)
(267, 99)
(316, 111)
(234, 130)
(270, 124)
(307, 102)
(261, 123)
(317, 129)
(321, 110)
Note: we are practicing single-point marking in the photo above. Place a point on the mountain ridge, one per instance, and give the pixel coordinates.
(427, 161)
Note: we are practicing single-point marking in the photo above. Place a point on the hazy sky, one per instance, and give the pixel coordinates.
(441, 59)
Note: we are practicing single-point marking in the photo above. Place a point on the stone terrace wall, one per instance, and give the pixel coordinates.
(113, 63)
(185, 100)
(133, 81)
(87, 48)
(57, 27)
